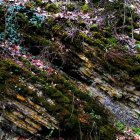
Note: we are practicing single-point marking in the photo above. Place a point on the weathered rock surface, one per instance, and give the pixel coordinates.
(67, 78)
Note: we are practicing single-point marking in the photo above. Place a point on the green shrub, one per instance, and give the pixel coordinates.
(70, 7)
(112, 41)
(85, 8)
(22, 19)
(137, 46)
(137, 36)
(120, 126)
(39, 2)
(29, 5)
(52, 8)
(136, 130)
(94, 27)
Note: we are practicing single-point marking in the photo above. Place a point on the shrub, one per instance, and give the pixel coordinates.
(30, 5)
(137, 46)
(39, 2)
(85, 8)
(94, 27)
(52, 8)
(70, 7)
(136, 130)
(112, 41)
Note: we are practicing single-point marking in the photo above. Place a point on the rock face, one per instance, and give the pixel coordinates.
(64, 77)
(43, 105)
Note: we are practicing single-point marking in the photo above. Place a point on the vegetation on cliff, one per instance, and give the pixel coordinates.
(69, 71)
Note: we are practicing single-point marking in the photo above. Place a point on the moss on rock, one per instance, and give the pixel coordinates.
(64, 96)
